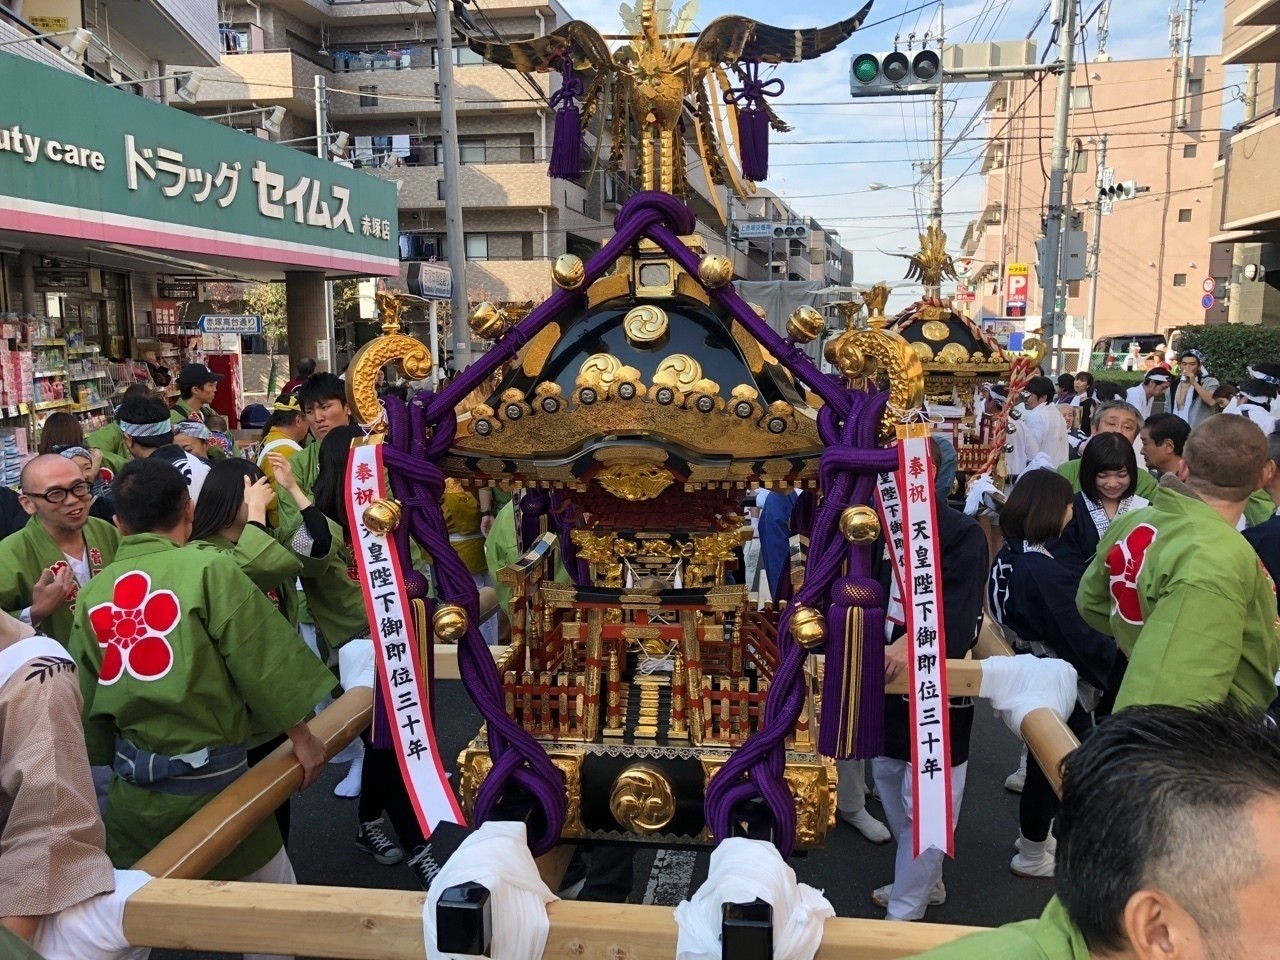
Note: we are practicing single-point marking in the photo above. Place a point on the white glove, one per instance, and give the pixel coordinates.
(978, 487)
(497, 856)
(1017, 685)
(741, 871)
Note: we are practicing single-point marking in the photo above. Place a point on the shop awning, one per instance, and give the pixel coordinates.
(83, 164)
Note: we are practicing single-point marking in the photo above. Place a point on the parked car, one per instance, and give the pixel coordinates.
(1109, 352)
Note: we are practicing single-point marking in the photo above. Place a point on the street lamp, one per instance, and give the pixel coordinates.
(271, 124)
(338, 146)
(72, 51)
(183, 93)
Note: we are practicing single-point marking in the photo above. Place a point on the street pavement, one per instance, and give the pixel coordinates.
(980, 889)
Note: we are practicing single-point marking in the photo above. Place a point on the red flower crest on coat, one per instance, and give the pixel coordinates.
(131, 629)
(1124, 563)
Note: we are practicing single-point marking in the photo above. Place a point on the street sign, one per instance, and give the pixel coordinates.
(178, 291)
(1207, 301)
(964, 293)
(762, 228)
(244, 324)
(1016, 282)
(431, 281)
(1209, 285)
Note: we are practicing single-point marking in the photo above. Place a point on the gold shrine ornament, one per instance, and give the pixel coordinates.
(409, 354)
(715, 271)
(634, 481)
(382, 516)
(808, 627)
(642, 799)
(935, 330)
(805, 324)
(645, 324)
(860, 525)
(449, 622)
(487, 321)
(568, 272)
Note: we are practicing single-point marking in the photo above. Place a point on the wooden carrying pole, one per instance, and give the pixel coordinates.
(357, 924)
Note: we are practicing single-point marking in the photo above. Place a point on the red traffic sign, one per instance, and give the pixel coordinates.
(1209, 285)
(1206, 301)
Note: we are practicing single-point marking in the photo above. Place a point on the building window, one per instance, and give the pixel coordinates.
(1195, 85)
(1179, 279)
(1184, 215)
(440, 189)
(477, 246)
(471, 150)
(369, 95)
(612, 192)
(436, 90)
(464, 56)
(1081, 98)
(1188, 151)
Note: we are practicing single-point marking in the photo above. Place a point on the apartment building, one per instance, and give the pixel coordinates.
(1153, 251)
(1246, 192)
(378, 62)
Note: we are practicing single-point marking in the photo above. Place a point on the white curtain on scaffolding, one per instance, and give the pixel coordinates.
(779, 298)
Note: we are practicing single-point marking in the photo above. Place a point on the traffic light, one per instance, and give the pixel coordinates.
(1124, 190)
(894, 74)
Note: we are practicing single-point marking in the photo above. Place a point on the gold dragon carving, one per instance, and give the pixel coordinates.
(411, 356)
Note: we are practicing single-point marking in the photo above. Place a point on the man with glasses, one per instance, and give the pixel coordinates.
(44, 565)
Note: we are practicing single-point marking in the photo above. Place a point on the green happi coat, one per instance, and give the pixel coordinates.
(1052, 937)
(1188, 601)
(109, 440)
(30, 551)
(176, 648)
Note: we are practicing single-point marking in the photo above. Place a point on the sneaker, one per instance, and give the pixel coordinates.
(373, 840)
(937, 896)
(867, 825)
(1033, 867)
(1051, 844)
(1018, 779)
(424, 866)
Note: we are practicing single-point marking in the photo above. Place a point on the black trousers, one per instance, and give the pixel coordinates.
(382, 788)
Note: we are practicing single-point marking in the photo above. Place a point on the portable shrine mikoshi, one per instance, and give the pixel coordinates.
(644, 699)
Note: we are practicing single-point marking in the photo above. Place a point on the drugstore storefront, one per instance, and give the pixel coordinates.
(116, 210)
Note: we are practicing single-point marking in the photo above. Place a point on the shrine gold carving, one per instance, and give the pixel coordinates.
(634, 481)
(642, 799)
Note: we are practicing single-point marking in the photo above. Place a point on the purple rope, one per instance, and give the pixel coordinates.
(756, 769)
(753, 119)
(518, 759)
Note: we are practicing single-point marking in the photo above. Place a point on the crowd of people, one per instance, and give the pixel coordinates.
(173, 611)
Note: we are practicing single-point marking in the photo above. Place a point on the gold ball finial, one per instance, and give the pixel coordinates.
(715, 271)
(808, 627)
(382, 516)
(804, 324)
(860, 525)
(487, 321)
(568, 272)
(449, 622)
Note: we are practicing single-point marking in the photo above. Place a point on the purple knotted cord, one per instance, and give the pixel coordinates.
(757, 768)
(753, 119)
(517, 757)
(567, 143)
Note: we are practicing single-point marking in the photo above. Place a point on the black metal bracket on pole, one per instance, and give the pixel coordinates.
(464, 920)
(746, 930)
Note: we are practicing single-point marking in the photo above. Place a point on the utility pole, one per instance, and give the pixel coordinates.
(1095, 253)
(322, 144)
(1239, 251)
(1051, 316)
(455, 245)
(935, 208)
(1184, 68)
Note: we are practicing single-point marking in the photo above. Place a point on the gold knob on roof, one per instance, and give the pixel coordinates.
(568, 271)
(808, 627)
(715, 271)
(487, 321)
(805, 324)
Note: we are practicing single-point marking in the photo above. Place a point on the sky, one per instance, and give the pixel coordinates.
(880, 139)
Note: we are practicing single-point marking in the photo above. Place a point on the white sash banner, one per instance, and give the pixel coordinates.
(889, 505)
(400, 672)
(926, 645)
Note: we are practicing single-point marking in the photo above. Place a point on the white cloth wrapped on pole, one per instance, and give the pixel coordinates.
(93, 929)
(356, 663)
(1017, 685)
(742, 870)
(497, 856)
(979, 487)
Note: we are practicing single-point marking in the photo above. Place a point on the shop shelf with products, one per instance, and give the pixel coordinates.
(16, 396)
(90, 391)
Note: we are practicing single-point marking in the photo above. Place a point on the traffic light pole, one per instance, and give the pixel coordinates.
(1051, 316)
(935, 210)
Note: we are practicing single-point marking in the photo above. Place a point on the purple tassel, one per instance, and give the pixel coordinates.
(567, 145)
(852, 723)
(753, 120)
